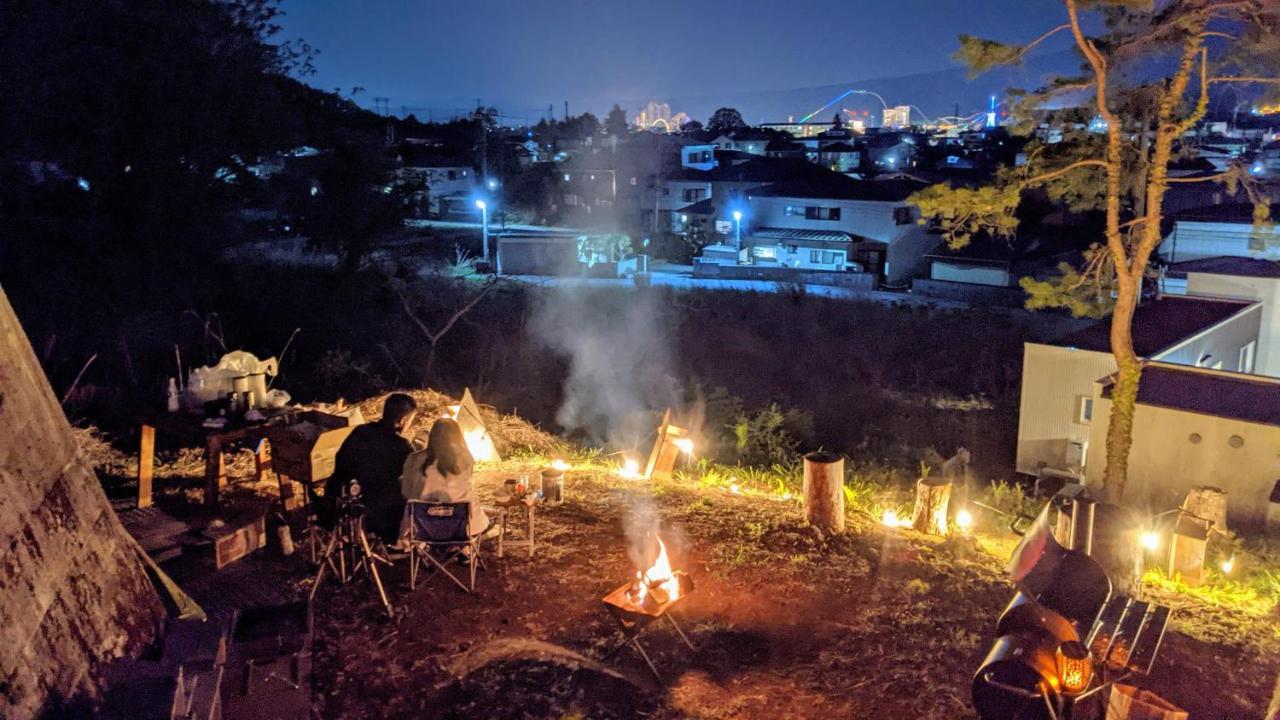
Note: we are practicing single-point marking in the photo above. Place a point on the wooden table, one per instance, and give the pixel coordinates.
(188, 428)
(505, 509)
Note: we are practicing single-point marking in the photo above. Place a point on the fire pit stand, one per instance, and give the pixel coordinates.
(634, 619)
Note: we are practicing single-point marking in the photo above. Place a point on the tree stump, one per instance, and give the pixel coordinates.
(824, 490)
(933, 496)
(1209, 503)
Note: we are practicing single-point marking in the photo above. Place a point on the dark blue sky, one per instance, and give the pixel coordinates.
(522, 55)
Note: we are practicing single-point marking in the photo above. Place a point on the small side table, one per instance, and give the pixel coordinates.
(505, 509)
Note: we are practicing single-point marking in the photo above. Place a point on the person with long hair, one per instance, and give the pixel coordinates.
(442, 473)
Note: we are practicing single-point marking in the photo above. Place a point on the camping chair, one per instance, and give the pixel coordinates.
(437, 534)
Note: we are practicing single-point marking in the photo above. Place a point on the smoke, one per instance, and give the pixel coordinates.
(618, 351)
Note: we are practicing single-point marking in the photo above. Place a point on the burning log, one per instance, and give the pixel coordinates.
(824, 490)
(933, 497)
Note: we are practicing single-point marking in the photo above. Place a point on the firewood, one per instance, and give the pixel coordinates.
(824, 490)
(933, 497)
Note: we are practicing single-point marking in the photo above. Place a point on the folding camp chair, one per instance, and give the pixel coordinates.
(438, 534)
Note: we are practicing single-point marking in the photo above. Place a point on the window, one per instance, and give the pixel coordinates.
(822, 213)
(693, 194)
(903, 216)
(794, 210)
(768, 253)
(1084, 409)
(826, 257)
(1246, 357)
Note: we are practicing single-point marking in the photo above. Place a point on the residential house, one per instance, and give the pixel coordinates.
(889, 151)
(840, 157)
(1217, 231)
(698, 156)
(1057, 406)
(881, 229)
(443, 183)
(1195, 426)
(1242, 278)
(751, 142)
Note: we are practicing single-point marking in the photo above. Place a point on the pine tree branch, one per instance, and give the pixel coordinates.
(1245, 79)
(1046, 177)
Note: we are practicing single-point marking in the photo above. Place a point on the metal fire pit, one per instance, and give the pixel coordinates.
(634, 619)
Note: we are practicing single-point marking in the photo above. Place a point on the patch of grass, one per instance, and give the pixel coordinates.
(1220, 592)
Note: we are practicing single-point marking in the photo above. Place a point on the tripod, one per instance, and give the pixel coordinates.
(348, 552)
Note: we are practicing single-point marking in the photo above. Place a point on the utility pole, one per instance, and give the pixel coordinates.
(566, 109)
(380, 105)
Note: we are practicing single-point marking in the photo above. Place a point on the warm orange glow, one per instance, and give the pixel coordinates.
(658, 576)
(559, 464)
(685, 445)
(1075, 669)
(964, 521)
(630, 469)
(735, 489)
(480, 445)
(890, 519)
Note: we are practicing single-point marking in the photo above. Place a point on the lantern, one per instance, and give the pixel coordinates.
(1075, 669)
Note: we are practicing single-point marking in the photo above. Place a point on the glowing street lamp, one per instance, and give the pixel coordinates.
(484, 225)
(737, 229)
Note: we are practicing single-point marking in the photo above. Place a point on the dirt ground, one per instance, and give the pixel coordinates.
(787, 622)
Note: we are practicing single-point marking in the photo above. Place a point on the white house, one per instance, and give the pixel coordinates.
(1243, 278)
(883, 236)
(1195, 426)
(1057, 411)
(1218, 231)
(698, 156)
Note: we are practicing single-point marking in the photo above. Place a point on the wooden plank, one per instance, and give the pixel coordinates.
(146, 464)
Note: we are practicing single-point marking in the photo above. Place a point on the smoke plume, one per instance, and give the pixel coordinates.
(619, 358)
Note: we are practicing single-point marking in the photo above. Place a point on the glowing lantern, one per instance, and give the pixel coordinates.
(559, 464)
(1149, 540)
(1228, 565)
(685, 445)
(1075, 669)
(964, 521)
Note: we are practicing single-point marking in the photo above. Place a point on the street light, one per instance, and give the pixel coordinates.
(484, 224)
(737, 229)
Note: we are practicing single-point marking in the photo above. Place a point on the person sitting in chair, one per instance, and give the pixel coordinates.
(442, 473)
(374, 454)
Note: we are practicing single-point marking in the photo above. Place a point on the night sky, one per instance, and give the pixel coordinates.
(520, 55)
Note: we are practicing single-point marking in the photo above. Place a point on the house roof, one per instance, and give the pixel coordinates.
(702, 207)
(1227, 265)
(834, 186)
(790, 235)
(1224, 212)
(1159, 324)
(1249, 398)
(838, 147)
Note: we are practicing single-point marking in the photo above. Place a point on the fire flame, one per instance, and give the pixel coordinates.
(630, 469)
(479, 444)
(559, 464)
(685, 445)
(658, 575)
(890, 519)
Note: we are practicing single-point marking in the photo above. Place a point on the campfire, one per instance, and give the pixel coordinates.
(630, 469)
(649, 596)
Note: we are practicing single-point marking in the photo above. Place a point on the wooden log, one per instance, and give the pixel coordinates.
(824, 490)
(1210, 504)
(933, 497)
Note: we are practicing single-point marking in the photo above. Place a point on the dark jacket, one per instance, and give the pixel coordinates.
(374, 455)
